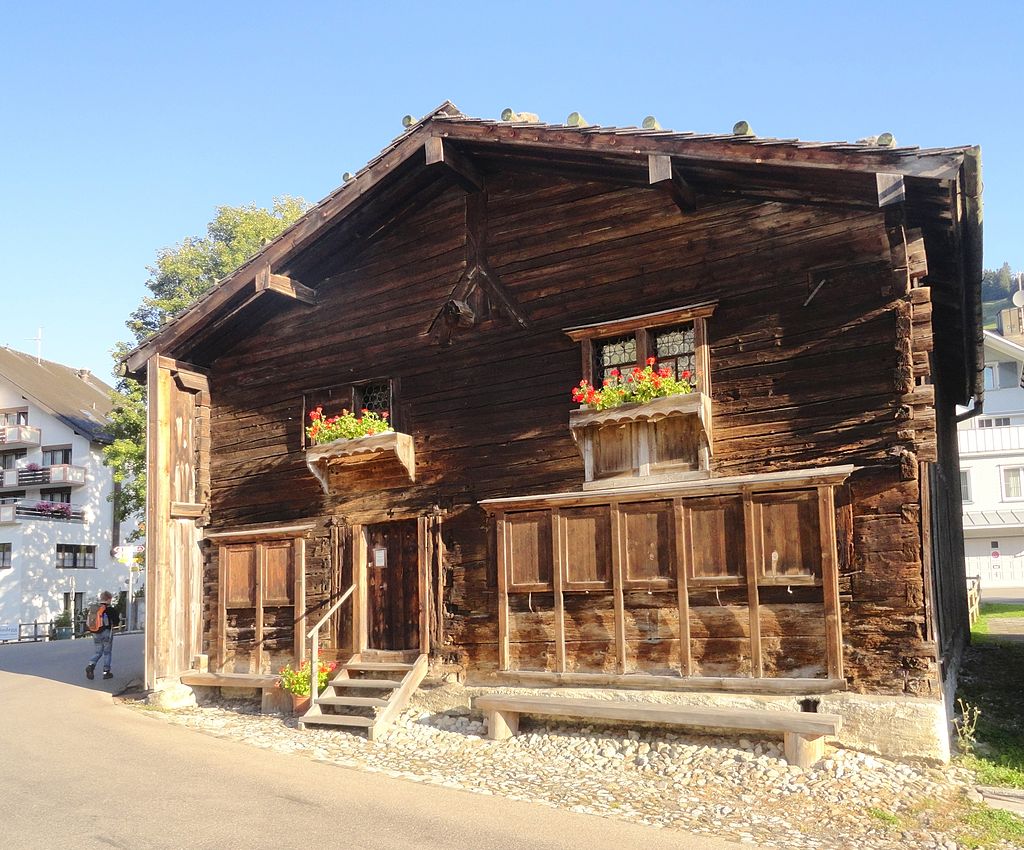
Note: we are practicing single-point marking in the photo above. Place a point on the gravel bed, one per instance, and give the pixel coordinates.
(738, 788)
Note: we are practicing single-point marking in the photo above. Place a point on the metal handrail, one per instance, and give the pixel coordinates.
(314, 649)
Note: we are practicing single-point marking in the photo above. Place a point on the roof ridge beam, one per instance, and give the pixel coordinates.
(662, 174)
(461, 167)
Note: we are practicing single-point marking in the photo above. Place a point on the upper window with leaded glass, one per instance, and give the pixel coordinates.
(618, 353)
(676, 339)
(374, 396)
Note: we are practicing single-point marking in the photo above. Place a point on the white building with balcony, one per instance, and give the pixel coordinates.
(57, 525)
(992, 470)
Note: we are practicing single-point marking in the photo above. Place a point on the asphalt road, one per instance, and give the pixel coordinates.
(78, 770)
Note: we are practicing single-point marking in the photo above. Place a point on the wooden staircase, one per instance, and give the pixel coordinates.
(368, 691)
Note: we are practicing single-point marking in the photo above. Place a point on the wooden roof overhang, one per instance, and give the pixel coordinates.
(936, 190)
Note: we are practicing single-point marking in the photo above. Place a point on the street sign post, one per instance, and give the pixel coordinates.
(130, 557)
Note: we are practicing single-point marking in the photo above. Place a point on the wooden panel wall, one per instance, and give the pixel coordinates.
(797, 381)
(174, 621)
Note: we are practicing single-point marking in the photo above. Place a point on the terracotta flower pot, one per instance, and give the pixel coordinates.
(300, 704)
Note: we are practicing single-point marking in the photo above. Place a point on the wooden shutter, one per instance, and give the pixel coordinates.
(240, 576)
(588, 548)
(790, 536)
(717, 538)
(529, 550)
(649, 543)
(279, 580)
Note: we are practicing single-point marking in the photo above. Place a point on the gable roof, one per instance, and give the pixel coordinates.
(75, 396)
(856, 171)
(1007, 347)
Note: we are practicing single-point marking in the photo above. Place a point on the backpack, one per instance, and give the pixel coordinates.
(96, 619)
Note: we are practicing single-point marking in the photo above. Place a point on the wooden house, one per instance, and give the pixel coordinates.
(789, 532)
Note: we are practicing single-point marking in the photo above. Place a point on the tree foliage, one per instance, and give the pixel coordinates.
(181, 275)
(997, 284)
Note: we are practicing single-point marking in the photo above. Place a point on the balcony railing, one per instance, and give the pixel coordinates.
(12, 511)
(63, 474)
(979, 440)
(19, 436)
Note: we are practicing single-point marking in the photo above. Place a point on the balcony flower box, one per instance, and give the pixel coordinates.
(667, 437)
(377, 443)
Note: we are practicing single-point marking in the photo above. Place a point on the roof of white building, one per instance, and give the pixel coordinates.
(993, 519)
(75, 396)
(1004, 346)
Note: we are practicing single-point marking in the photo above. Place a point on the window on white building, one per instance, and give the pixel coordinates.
(76, 557)
(14, 417)
(994, 422)
(5, 556)
(965, 485)
(56, 455)
(1002, 376)
(1013, 482)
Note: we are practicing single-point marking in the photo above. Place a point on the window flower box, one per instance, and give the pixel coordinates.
(361, 451)
(348, 440)
(666, 438)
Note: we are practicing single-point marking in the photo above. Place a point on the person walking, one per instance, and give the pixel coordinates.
(101, 620)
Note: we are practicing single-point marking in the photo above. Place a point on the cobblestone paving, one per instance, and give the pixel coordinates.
(738, 788)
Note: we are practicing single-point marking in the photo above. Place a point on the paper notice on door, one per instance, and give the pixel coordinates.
(380, 556)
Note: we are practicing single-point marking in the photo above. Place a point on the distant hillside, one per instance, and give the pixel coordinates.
(991, 310)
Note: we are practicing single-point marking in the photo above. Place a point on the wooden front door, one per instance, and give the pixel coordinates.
(392, 581)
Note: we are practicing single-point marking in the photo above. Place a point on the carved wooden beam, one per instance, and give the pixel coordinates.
(267, 281)
(662, 175)
(461, 167)
(479, 290)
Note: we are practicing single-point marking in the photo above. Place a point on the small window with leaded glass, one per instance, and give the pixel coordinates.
(374, 396)
(377, 396)
(676, 348)
(618, 353)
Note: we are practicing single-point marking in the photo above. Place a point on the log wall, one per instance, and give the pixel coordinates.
(815, 345)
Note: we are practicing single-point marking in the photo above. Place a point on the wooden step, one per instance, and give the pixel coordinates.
(338, 720)
(371, 684)
(374, 666)
(353, 701)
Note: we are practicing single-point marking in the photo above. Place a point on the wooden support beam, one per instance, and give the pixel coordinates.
(461, 167)
(752, 521)
(830, 581)
(890, 189)
(503, 642)
(683, 552)
(618, 568)
(360, 601)
(559, 545)
(479, 294)
(664, 176)
(299, 570)
(267, 281)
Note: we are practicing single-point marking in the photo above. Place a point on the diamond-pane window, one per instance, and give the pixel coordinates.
(675, 348)
(375, 397)
(618, 353)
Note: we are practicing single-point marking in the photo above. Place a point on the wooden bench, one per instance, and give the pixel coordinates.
(803, 732)
(273, 699)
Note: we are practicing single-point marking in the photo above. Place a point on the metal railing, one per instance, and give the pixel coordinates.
(40, 630)
(12, 510)
(973, 598)
(63, 473)
(314, 648)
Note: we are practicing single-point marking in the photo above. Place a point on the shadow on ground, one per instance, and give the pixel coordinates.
(65, 660)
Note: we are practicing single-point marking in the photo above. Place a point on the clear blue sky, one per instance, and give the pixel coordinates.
(126, 124)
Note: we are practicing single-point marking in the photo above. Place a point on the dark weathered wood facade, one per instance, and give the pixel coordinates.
(814, 546)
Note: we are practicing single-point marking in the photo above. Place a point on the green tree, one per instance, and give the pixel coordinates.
(181, 275)
(997, 284)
